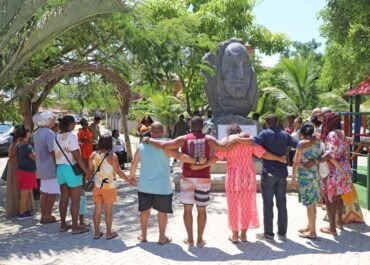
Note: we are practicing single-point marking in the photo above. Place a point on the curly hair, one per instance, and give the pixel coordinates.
(233, 128)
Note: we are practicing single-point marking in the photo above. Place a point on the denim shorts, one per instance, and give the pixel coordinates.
(67, 176)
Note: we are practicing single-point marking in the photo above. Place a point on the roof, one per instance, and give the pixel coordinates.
(362, 89)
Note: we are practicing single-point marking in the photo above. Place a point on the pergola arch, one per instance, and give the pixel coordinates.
(50, 78)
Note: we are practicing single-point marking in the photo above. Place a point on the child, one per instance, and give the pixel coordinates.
(105, 163)
(26, 172)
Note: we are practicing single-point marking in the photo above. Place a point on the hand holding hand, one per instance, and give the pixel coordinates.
(195, 167)
(283, 160)
(309, 163)
(203, 160)
(294, 183)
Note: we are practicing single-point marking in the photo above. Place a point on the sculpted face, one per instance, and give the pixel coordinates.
(236, 70)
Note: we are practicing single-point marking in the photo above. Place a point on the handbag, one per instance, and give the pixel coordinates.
(90, 184)
(76, 167)
(324, 169)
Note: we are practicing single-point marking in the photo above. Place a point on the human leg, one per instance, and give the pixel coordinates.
(75, 208)
(267, 188)
(331, 212)
(163, 204)
(188, 221)
(108, 209)
(201, 220)
(144, 221)
(162, 224)
(23, 204)
(63, 206)
(280, 193)
(339, 210)
(97, 219)
(187, 195)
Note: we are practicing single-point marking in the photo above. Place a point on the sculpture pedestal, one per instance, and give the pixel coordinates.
(218, 176)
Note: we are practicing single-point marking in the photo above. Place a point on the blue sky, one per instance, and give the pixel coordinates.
(295, 18)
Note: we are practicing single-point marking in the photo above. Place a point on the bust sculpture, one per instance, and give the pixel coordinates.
(232, 89)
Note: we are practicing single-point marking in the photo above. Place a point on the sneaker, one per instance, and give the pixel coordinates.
(282, 238)
(24, 216)
(263, 236)
(29, 213)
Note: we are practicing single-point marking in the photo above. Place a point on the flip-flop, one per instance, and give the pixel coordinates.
(303, 230)
(186, 242)
(168, 240)
(99, 236)
(202, 244)
(65, 229)
(233, 241)
(141, 240)
(82, 231)
(243, 239)
(327, 231)
(49, 221)
(303, 235)
(114, 235)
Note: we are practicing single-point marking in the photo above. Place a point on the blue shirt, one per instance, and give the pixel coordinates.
(276, 142)
(155, 170)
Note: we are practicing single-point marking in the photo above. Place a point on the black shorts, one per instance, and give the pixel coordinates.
(161, 203)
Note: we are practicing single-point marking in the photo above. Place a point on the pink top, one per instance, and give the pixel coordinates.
(240, 159)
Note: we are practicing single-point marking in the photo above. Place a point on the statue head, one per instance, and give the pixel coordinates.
(235, 69)
(233, 90)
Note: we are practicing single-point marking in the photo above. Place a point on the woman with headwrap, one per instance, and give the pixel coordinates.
(335, 184)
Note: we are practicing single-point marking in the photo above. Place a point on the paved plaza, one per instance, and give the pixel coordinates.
(28, 242)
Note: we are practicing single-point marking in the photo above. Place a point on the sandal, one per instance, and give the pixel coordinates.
(113, 235)
(96, 237)
(65, 229)
(82, 231)
(303, 230)
(49, 221)
(304, 235)
(201, 244)
(326, 230)
(243, 239)
(141, 239)
(168, 240)
(186, 242)
(233, 241)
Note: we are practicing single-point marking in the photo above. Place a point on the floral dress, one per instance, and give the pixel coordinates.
(336, 145)
(308, 179)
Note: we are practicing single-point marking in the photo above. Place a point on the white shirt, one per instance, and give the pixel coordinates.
(69, 143)
(118, 144)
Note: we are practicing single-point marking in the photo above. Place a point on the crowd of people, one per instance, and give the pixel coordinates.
(63, 162)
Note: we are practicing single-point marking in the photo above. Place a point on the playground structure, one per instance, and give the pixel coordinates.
(357, 128)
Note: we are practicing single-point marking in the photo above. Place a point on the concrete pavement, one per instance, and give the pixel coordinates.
(28, 242)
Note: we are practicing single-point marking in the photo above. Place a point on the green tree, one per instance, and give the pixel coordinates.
(347, 55)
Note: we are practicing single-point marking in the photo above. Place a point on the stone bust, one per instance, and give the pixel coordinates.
(232, 89)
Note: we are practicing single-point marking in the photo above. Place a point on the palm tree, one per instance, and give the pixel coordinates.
(26, 28)
(300, 75)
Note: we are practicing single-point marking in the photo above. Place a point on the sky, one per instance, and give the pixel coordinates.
(295, 18)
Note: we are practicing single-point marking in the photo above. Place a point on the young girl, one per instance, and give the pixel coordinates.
(26, 172)
(106, 165)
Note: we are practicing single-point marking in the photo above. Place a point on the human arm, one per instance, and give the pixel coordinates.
(31, 153)
(271, 156)
(296, 162)
(172, 144)
(75, 151)
(225, 145)
(117, 169)
(209, 163)
(184, 157)
(134, 164)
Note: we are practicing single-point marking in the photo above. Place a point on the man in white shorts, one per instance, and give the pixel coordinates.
(195, 185)
(43, 140)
